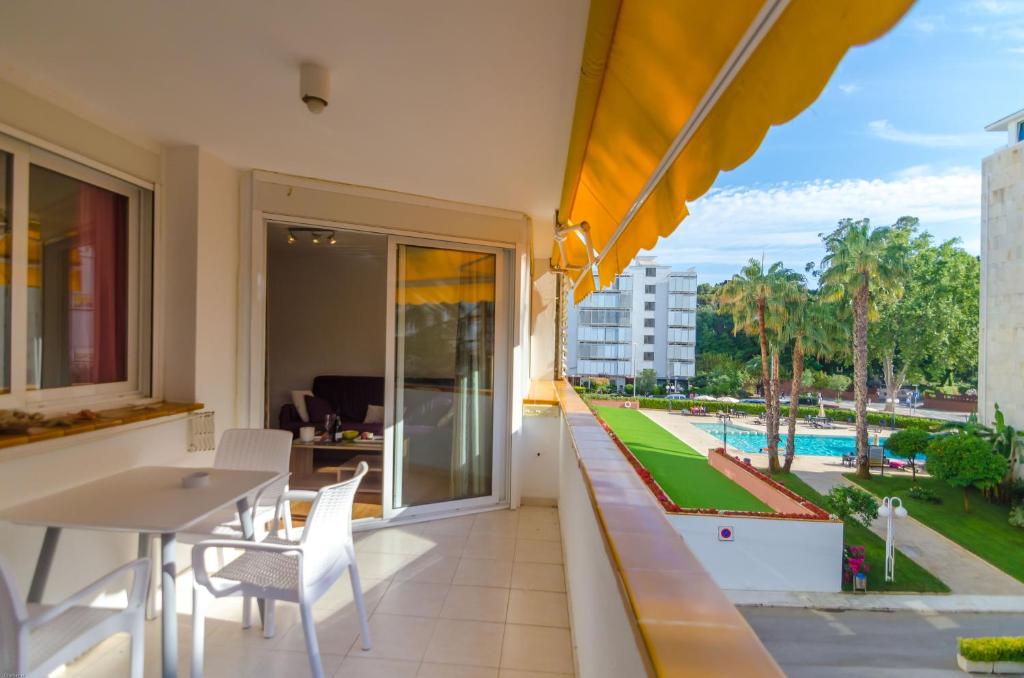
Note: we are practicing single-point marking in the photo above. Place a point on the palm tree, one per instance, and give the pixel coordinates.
(815, 330)
(862, 264)
(755, 297)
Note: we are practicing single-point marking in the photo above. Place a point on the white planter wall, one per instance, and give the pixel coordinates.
(766, 554)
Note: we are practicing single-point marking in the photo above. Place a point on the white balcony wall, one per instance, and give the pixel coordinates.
(766, 554)
(602, 625)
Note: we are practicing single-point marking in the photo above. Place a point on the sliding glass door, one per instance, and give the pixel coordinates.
(450, 358)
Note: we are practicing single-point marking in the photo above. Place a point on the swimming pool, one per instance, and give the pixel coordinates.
(814, 446)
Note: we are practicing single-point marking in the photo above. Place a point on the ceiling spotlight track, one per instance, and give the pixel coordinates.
(316, 235)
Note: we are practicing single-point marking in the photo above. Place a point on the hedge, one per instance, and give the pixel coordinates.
(841, 415)
(994, 649)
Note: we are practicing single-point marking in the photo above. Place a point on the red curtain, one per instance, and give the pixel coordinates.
(99, 318)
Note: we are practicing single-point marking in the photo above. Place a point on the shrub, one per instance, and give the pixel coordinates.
(835, 414)
(964, 460)
(907, 444)
(850, 503)
(1017, 516)
(994, 649)
(922, 493)
(839, 382)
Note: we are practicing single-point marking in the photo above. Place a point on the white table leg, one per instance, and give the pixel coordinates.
(43, 563)
(169, 613)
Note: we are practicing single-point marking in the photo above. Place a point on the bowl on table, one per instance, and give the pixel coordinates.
(349, 435)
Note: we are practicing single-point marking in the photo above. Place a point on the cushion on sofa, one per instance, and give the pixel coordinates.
(318, 409)
(299, 401)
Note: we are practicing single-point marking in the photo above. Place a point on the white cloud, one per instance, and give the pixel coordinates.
(883, 129)
(999, 7)
(923, 25)
(849, 88)
(783, 221)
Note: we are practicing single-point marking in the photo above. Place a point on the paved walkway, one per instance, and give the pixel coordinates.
(961, 570)
(879, 602)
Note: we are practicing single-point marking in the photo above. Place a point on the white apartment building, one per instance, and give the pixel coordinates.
(1001, 365)
(646, 320)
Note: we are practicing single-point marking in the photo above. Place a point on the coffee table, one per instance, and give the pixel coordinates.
(306, 477)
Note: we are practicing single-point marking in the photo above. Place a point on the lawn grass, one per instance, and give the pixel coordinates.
(984, 531)
(909, 575)
(683, 473)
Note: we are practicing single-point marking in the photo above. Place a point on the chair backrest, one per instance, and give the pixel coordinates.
(327, 536)
(12, 615)
(256, 449)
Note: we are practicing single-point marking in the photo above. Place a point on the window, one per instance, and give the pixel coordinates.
(1020, 131)
(649, 339)
(82, 324)
(648, 322)
(650, 289)
(649, 356)
(651, 272)
(648, 305)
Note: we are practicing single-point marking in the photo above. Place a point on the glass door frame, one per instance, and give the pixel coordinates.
(501, 445)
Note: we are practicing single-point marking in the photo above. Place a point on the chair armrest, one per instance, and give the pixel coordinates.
(136, 596)
(298, 495)
(199, 571)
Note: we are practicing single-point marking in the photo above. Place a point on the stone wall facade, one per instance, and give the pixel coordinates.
(1001, 366)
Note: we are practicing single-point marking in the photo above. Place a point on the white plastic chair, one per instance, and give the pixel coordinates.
(244, 449)
(250, 449)
(36, 640)
(279, 570)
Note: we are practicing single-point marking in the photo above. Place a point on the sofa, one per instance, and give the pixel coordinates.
(349, 398)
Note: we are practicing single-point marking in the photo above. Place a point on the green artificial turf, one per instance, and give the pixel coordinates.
(909, 575)
(683, 473)
(984, 531)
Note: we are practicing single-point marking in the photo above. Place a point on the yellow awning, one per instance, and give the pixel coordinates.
(428, 275)
(672, 93)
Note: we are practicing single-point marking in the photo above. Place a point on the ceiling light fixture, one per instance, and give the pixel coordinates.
(331, 240)
(291, 237)
(315, 85)
(316, 238)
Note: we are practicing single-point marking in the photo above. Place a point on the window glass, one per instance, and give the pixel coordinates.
(649, 339)
(648, 356)
(77, 282)
(651, 272)
(1020, 131)
(5, 272)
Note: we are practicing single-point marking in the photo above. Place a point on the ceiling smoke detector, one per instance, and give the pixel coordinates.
(315, 83)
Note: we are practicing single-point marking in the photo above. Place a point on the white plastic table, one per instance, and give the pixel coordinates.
(148, 500)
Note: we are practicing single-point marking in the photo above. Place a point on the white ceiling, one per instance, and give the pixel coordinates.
(467, 100)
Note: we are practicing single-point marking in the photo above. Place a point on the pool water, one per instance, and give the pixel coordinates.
(815, 446)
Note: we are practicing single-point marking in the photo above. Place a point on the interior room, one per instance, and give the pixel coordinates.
(326, 309)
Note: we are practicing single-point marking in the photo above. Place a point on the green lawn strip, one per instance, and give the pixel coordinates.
(909, 575)
(683, 473)
(984, 531)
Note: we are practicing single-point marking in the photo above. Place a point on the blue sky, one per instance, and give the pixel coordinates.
(899, 130)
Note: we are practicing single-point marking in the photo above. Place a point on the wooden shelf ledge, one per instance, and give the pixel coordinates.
(120, 416)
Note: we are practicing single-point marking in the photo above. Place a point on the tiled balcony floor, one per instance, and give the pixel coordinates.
(478, 596)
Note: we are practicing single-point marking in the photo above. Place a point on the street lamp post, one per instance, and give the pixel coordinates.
(891, 509)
